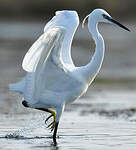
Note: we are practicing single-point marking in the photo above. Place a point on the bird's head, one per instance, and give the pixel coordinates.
(100, 15)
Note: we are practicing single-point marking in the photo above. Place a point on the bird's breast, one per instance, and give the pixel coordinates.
(76, 91)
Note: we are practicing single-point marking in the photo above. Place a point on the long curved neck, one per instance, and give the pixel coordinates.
(93, 67)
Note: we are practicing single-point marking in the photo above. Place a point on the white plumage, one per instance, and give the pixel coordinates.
(52, 80)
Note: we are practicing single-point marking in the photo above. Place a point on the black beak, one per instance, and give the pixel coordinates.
(116, 22)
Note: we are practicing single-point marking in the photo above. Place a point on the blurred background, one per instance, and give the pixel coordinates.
(41, 8)
(22, 22)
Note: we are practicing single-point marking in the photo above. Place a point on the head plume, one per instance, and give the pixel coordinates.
(84, 21)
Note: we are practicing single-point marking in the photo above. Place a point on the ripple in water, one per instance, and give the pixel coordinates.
(21, 133)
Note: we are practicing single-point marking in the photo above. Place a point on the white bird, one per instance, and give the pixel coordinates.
(52, 79)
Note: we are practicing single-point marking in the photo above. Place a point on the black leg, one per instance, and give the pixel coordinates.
(24, 103)
(55, 133)
(56, 124)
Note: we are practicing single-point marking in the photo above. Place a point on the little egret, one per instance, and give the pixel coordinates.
(52, 80)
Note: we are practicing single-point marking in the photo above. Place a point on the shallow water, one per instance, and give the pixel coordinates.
(75, 132)
(100, 120)
(103, 119)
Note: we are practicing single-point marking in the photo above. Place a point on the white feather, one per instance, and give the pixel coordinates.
(52, 43)
(40, 50)
(18, 87)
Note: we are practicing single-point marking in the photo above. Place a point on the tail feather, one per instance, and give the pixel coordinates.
(18, 87)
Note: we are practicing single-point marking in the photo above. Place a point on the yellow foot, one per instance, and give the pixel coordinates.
(51, 126)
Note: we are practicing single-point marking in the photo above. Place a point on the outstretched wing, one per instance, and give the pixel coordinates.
(41, 49)
(61, 19)
(70, 21)
(49, 45)
(49, 65)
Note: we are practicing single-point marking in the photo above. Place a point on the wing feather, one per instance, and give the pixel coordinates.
(40, 50)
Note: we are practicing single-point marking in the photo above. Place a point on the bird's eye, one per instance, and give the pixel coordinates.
(104, 16)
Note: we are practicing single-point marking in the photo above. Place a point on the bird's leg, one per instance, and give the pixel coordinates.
(58, 114)
(53, 114)
(52, 124)
(55, 133)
